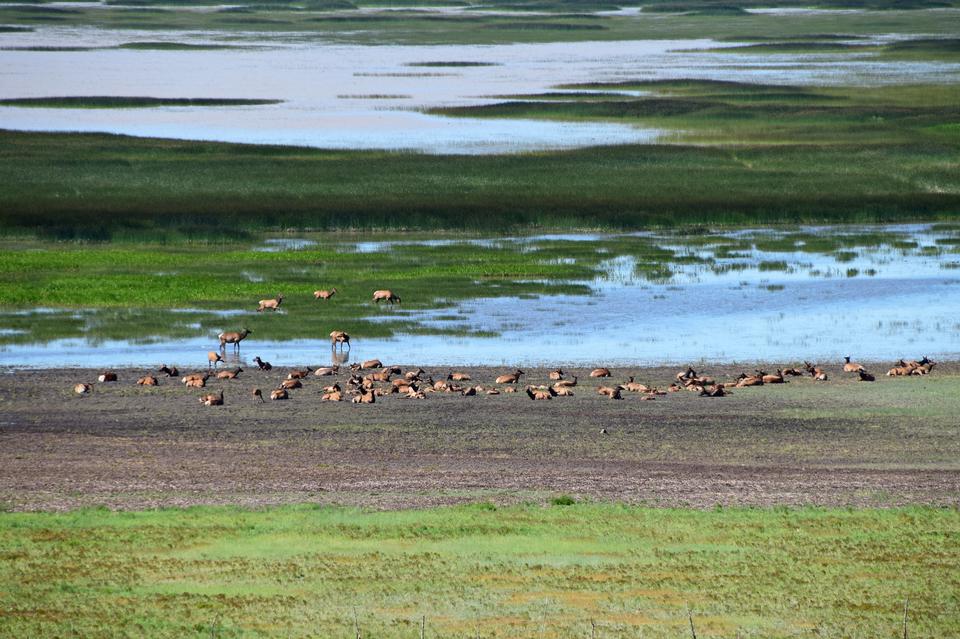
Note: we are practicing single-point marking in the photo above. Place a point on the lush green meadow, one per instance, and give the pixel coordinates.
(525, 571)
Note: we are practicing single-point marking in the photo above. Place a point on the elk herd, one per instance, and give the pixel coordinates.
(365, 382)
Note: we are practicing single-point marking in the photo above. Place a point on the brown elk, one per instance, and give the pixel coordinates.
(233, 338)
(229, 374)
(107, 376)
(280, 393)
(326, 371)
(635, 387)
(612, 393)
(566, 383)
(273, 304)
(556, 375)
(511, 378)
(169, 372)
(147, 380)
(865, 376)
(745, 380)
(687, 374)
(324, 295)
(83, 389)
(771, 379)
(213, 358)
(262, 365)
(257, 394)
(817, 373)
(459, 377)
(563, 391)
(600, 372)
(539, 394)
(290, 384)
(386, 295)
(371, 363)
(298, 374)
(851, 367)
(332, 396)
(366, 398)
(339, 337)
(212, 400)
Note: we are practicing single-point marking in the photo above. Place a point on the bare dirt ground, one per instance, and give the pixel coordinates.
(842, 442)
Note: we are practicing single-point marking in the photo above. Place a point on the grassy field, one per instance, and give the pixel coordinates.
(526, 571)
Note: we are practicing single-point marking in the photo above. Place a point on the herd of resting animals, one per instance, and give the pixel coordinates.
(417, 384)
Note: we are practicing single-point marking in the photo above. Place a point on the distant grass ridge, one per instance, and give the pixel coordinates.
(124, 102)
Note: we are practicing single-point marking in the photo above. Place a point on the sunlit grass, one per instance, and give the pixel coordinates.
(524, 571)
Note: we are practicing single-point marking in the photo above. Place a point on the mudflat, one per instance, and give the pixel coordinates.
(843, 442)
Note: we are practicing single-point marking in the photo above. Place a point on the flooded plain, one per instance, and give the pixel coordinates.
(814, 293)
(350, 96)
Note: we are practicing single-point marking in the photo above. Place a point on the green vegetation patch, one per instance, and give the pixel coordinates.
(309, 571)
(119, 102)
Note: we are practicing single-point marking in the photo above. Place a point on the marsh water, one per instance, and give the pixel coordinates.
(815, 293)
(337, 95)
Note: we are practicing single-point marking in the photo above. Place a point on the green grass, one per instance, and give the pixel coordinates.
(124, 102)
(526, 571)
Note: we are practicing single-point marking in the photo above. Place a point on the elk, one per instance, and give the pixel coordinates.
(229, 374)
(600, 372)
(566, 383)
(635, 387)
(385, 295)
(298, 374)
(687, 374)
(332, 396)
(273, 304)
(280, 393)
(612, 393)
(147, 380)
(382, 376)
(366, 398)
(563, 391)
(411, 376)
(257, 394)
(716, 391)
(326, 371)
(212, 400)
(865, 376)
(291, 384)
(169, 372)
(459, 377)
(194, 376)
(470, 391)
(197, 382)
(556, 375)
(233, 338)
(262, 365)
(851, 367)
(324, 295)
(83, 389)
(539, 394)
(371, 363)
(213, 358)
(745, 380)
(511, 378)
(771, 379)
(339, 337)
(817, 373)
(107, 376)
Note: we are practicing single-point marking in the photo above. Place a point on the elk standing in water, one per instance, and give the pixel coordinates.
(233, 338)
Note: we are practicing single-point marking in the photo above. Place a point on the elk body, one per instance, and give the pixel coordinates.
(339, 337)
(262, 365)
(212, 400)
(324, 295)
(511, 378)
(273, 304)
(82, 389)
(169, 372)
(600, 372)
(107, 376)
(147, 380)
(851, 367)
(234, 338)
(280, 393)
(229, 374)
(385, 295)
(213, 358)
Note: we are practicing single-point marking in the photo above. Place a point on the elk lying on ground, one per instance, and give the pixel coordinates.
(771, 379)
(298, 374)
(635, 387)
(212, 400)
(745, 380)
(233, 338)
(851, 367)
(229, 374)
(262, 365)
(687, 374)
(563, 391)
(83, 389)
(865, 376)
(385, 295)
(511, 378)
(107, 376)
(539, 394)
(612, 393)
(257, 394)
(413, 375)
(366, 398)
(567, 383)
(280, 393)
(291, 384)
(371, 363)
(817, 373)
(326, 371)
(600, 372)
(273, 304)
(169, 372)
(459, 377)
(556, 375)
(339, 337)
(716, 391)
(147, 380)
(213, 358)
(332, 396)
(324, 295)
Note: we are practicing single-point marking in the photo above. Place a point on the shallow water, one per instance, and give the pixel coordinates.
(889, 292)
(333, 94)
